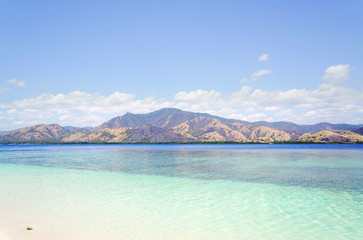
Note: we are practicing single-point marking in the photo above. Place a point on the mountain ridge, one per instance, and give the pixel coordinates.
(175, 125)
(281, 125)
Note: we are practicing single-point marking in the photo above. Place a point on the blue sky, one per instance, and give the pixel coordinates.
(82, 62)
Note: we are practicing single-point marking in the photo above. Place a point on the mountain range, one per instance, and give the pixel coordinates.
(176, 126)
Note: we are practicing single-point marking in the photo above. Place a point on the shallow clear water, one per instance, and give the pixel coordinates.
(183, 191)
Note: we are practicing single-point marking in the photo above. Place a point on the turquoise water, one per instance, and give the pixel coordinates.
(182, 191)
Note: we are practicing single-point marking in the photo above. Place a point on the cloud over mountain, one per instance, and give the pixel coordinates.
(330, 101)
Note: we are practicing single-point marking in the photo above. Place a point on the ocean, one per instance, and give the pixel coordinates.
(181, 191)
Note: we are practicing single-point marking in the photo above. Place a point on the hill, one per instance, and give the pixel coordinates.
(325, 136)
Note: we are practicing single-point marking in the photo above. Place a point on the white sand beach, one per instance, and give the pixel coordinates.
(4, 236)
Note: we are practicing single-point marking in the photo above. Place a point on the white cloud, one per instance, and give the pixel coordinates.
(257, 116)
(2, 90)
(78, 108)
(311, 113)
(337, 74)
(257, 75)
(10, 111)
(334, 104)
(328, 102)
(261, 73)
(272, 109)
(16, 82)
(356, 121)
(199, 94)
(263, 57)
(288, 112)
(18, 123)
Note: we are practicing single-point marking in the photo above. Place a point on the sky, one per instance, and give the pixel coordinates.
(81, 63)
